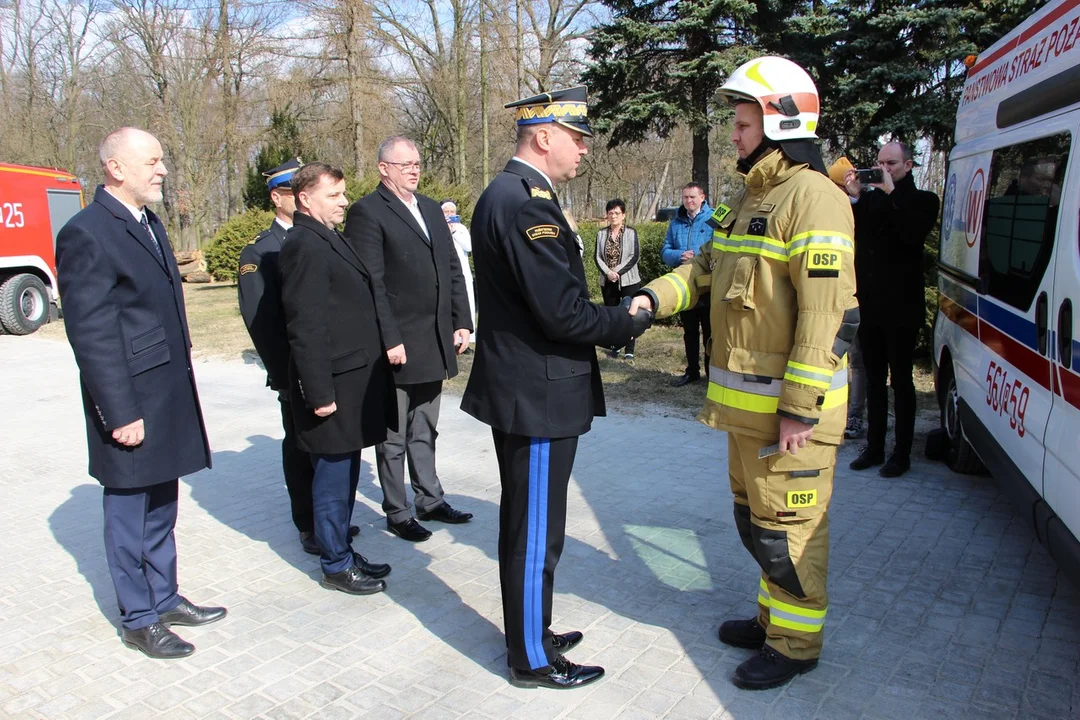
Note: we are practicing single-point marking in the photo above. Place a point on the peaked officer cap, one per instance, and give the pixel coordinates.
(282, 174)
(567, 107)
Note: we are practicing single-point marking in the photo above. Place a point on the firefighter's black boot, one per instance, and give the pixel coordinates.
(769, 669)
(743, 633)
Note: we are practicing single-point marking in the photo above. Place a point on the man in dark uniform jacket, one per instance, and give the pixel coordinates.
(259, 288)
(341, 390)
(125, 319)
(535, 379)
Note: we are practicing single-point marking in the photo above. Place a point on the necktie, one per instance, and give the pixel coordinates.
(153, 239)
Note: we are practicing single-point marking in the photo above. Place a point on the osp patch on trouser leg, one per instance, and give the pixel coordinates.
(788, 498)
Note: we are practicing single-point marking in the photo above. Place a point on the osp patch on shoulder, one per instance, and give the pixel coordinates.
(537, 192)
(801, 498)
(542, 232)
(249, 268)
(823, 263)
(757, 226)
(720, 212)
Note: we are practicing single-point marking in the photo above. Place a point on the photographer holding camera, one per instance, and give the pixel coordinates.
(892, 220)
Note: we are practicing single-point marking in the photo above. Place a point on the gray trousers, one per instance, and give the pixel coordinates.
(418, 414)
(857, 383)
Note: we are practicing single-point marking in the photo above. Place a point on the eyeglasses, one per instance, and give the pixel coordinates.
(404, 165)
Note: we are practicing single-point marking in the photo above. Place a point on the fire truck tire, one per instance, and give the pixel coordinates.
(960, 456)
(24, 304)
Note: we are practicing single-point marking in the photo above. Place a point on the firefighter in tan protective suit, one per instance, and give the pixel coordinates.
(782, 281)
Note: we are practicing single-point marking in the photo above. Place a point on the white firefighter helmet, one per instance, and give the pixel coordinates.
(785, 92)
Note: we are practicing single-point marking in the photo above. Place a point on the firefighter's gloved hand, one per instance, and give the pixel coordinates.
(643, 319)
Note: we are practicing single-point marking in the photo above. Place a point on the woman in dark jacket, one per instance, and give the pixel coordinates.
(617, 253)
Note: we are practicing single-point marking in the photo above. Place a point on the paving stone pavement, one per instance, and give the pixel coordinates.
(943, 604)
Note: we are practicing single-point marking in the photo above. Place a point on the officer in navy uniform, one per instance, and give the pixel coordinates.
(259, 287)
(535, 379)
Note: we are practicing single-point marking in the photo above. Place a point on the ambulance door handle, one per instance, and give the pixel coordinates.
(1065, 332)
(1041, 322)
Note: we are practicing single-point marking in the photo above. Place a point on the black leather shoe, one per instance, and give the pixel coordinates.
(353, 581)
(560, 675)
(372, 570)
(769, 669)
(445, 513)
(157, 641)
(566, 641)
(409, 530)
(896, 466)
(867, 458)
(743, 633)
(686, 379)
(311, 546)
(187, 613)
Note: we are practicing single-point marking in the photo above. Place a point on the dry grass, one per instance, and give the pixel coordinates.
(217, 330)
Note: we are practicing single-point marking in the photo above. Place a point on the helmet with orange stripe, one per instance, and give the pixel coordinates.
(785, 92)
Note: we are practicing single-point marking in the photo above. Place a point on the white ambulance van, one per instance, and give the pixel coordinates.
(1007, 360)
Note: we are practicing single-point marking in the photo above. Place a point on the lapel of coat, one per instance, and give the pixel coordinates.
(395, 204)
(333, 237)
(135, 229)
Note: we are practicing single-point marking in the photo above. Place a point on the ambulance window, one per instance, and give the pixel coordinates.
(1021, 217)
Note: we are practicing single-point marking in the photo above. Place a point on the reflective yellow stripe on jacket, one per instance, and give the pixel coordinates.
(758, 394)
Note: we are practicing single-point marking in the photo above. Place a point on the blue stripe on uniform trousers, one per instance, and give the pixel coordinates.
(536, 552)
(534, 474)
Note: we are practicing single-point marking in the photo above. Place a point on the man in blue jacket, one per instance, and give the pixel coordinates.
(688, 231)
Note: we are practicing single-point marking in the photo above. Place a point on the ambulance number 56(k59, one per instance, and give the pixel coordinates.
(1007, 398)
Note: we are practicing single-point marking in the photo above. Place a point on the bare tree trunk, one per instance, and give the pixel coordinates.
(659, 189)
(233, 198)
(519, 56)
(354, 63)
(461, 120)
(485, 131)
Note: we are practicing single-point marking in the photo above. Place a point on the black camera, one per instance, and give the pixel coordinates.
(870, 176)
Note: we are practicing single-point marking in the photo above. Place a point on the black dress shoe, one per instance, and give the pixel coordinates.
(560, 675)
(566, 641)
(311, 546)
(686, 379)
(372, 570)
(895, 466)
(445, 513)
(353, 581)
(743, 633)
(187, 613)
(769, 669)
(409, 530)
(867, 458)
(157, 641)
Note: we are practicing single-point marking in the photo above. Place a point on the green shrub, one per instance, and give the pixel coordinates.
(223, 254)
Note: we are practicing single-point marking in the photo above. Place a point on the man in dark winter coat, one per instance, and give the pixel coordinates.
(125, 319)
(340, 390)
(892, 220)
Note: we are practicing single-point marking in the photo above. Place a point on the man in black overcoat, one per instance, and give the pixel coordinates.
(258, 284)
(535, 379)
(125, 319)
(423, 308)
(341, 391)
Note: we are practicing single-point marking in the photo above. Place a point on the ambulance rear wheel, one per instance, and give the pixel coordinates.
(24, 304)
(961, 457)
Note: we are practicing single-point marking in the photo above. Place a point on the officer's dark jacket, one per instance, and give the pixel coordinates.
(335, 350)
(890, 230)
(419, 287)
(258, 284)
(125, 319)
(535, 372)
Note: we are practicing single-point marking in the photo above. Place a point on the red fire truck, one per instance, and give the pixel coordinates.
(35, 202)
